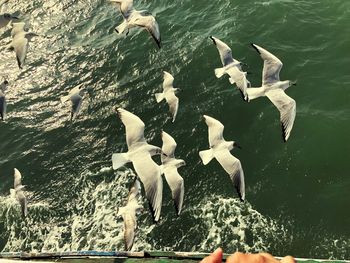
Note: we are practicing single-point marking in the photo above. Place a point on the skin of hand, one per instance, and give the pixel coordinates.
(238, 257)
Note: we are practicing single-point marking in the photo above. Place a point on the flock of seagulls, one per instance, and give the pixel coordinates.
(140, 152)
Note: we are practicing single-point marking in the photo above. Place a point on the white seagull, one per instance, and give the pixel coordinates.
(20, 42)
(18, 189)
(76, 96)
(6, 18)
(128, 213)
(142, 19)
(3, 103)
(139, 153)
(231, 67)
(220, 149)
(169, 168)
(169, 94)
(274, 89)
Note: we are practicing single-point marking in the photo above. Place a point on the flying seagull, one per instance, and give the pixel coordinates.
(20, 42)
(76, 96)
(3, 104)
(231, 67)
(169, 94)
(141, 19)
(18, 187)
(220, 149)
(128, 213)
(274, 89)
(139, 153)
(6, 18)
(169, 168)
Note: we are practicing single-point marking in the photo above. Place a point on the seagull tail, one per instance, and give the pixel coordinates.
(219, 72)
(119, 159)
(121, 28)
(64, 99)
(206, 156)
(159, 97)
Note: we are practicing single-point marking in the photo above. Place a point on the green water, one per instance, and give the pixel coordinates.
(297, 192)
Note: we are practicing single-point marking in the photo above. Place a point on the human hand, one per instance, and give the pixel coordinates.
(216, 257)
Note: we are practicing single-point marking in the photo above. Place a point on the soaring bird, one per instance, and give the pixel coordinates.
(3, 103)
(128, 213)
(169, 168)
(169, 94)
(20, 42)
(76, 96)
(6, 18)
(142, 19)
(231, 67)
(274, 89)
(220, 149)
(139, 153)
(18, 188)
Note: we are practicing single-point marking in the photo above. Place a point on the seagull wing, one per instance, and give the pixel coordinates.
(17, 179)
(23, 202)
(129, 229)
(287, 108)
(272, 65)
(134, 192)
(168, 81)
(224, 51)
(176, 184)
(240, 79)
(134, 127)
(234, 168)
(173, 103)
(149, 174)
(169, 145)
(150, 24)
(215, 130)
(20, 45)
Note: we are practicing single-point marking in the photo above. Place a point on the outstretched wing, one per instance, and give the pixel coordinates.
(176, 184)
(224, 51)
(215, 130)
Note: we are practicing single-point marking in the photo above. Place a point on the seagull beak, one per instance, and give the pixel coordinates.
(237, 145)
(294, 83)
(212, 38)
(163, 153)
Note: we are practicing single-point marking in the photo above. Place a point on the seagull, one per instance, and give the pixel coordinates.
(169, 168)
(169, 94)
(142, 19)
(125, 7)
(18, 188)
(231, 67)
(220, 149)
(76, 97)
(3, 104)
(274, 89)
(20, 42)
(128, 213)
(6, 18)
(139, 153)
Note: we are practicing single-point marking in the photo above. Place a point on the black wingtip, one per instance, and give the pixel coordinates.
(212, 38)
(253, 45)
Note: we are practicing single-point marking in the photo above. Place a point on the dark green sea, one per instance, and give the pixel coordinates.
(297, 193)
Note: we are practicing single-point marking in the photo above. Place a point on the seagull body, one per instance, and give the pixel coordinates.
(3, 103)
(20, 42)
(76, 96)
(231, 67)
(169, 168)
(169, 94)
(141, 19)
(18, 187)
(128, 213)
(125, 7)
(139, 153)
(274, 89)
(6, 18)
(220, 149)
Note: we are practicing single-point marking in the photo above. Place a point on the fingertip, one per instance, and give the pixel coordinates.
(288, 259)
